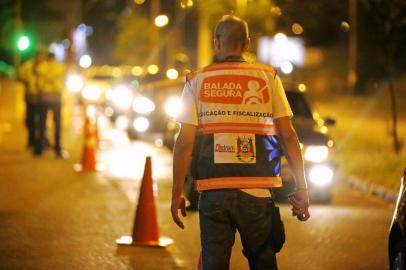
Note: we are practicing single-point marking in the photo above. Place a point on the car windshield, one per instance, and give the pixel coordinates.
(299, 104)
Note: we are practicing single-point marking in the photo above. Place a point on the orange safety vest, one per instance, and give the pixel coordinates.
(236, 145)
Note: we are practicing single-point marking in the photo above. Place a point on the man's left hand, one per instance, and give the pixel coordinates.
(300, 205)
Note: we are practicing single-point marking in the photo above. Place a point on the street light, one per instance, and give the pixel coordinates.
(23, 43)
(161, 20)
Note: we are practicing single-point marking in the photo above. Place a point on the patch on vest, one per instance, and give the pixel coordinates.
(234, 148)
(234, 89)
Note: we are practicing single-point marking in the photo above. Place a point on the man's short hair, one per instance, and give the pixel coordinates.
(232, 31)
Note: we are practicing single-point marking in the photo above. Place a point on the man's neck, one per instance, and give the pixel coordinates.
(228, 57)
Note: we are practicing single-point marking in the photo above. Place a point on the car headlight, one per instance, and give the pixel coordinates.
(141, 124)
(316, 153)
(91, 93)
(143, 105)
(74, 83)
(122, 122)
(321, 175)
(173, 107)
(122, 97)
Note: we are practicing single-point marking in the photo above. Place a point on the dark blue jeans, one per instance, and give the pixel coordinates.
(224, 211)
(43, 109)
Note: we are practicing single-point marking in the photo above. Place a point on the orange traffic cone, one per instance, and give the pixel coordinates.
(89, 145)
(199, 264)
(145, 230)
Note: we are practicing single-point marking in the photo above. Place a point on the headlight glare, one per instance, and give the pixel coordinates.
(74, 83)
(91, 93)
(143, 105)
(122, 97)
(141, 124)
(316, 153)
(173, 107)
(321, 175)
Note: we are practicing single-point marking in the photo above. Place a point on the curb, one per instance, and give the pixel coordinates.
(374, 190)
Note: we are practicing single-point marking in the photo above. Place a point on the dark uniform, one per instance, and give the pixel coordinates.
(28, 74)
(50, 99)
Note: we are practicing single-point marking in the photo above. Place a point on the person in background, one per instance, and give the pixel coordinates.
(51, 78)
(28, 75)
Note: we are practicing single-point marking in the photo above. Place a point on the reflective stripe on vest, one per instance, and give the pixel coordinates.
(238, 182)
(261, 129)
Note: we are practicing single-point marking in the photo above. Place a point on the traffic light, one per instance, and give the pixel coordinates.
(23, 43)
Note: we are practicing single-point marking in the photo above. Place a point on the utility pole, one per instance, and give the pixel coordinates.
(154, 35)
(72, 18)
(204, 34)
(352, 76)
(18, 26)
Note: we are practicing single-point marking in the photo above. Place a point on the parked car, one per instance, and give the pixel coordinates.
(317, 147)
(397, 234)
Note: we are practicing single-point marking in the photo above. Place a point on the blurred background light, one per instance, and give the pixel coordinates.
(139, 2)
(161, 20)
(74, 83)
(279, 49)
(91, 93)
(186, 3)
(297, 29)
(23, 43)
(172, 74)
(286, 67)
(116, 72)
(85, 61)
(122, 122)
(153, 69)
(302, 87)
(276, 11)
(280, 37)
(141, 124)
(137, 71)
(173, 107)
(345, 26)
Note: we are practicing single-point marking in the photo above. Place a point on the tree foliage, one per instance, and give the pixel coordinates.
(382, 32)
(132, 40)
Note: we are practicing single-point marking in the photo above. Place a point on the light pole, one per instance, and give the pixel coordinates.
(352, 47)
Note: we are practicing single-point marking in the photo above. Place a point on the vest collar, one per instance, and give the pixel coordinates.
(231, 58)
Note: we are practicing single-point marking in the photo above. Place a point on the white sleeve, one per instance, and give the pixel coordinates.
(189, 108)
(280, 103)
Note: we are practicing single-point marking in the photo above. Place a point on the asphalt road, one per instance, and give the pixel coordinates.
(349, 233)
(54, 218)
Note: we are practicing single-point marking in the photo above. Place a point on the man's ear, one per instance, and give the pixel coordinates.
(216, 43)
(247, 44)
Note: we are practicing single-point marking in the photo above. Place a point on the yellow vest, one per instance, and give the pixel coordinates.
(51, 77)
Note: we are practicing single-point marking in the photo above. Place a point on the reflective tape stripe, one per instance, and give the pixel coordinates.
(232, 66)
(222, 130)
(238, 182)
(236, 124)
(237, 128)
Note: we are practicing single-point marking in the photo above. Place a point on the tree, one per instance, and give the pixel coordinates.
(383, 48)
(132, 40)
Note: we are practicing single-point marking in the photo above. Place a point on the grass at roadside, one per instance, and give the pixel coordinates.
(362, 135)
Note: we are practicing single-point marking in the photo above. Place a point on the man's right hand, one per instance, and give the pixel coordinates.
(178, 203)
(300, 205)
